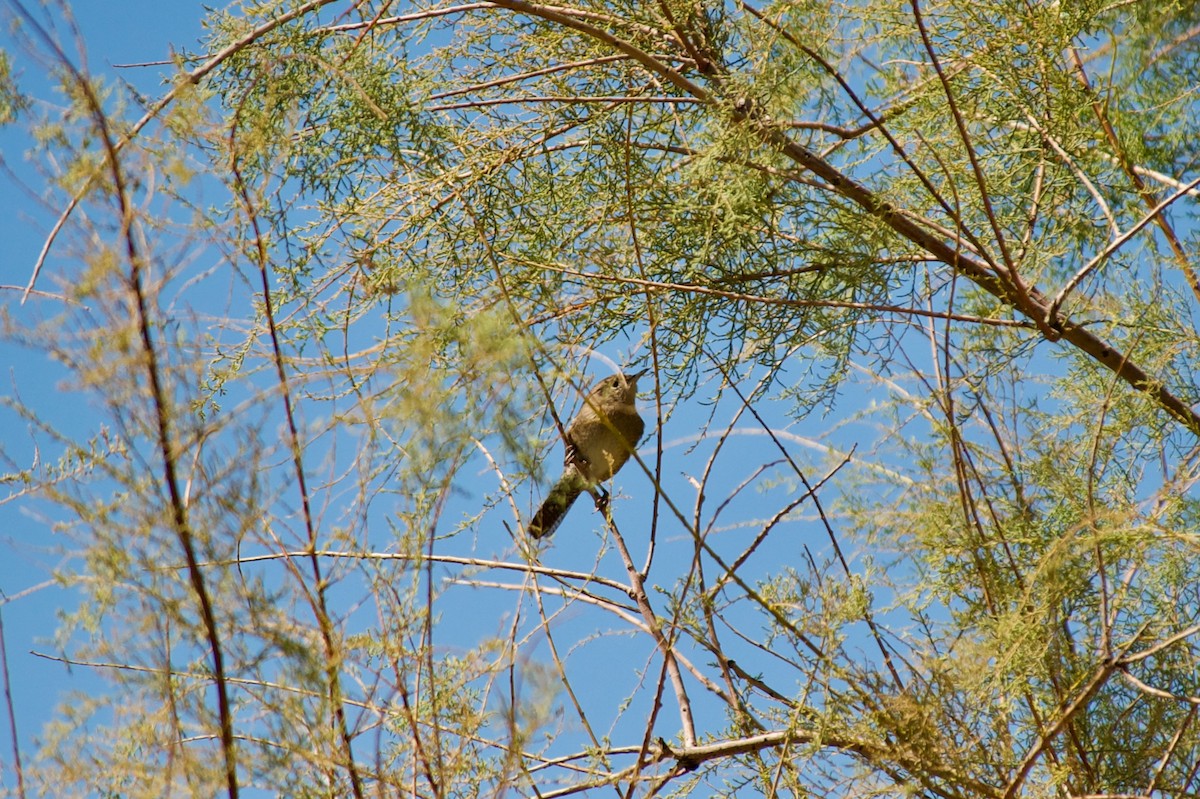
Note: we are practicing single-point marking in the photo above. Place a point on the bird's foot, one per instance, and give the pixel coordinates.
(601, 496)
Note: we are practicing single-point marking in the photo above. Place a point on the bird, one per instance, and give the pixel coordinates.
(599, 440)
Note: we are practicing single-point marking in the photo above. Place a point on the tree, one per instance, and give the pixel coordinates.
(915, 283)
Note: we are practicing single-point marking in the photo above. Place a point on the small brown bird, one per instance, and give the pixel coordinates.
(599, 442)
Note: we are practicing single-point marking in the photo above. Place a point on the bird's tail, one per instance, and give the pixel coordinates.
(556, 505)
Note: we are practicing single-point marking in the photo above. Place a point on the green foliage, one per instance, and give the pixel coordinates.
(921, 471)
(12, 101)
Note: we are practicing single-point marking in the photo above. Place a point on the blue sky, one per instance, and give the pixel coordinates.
(111, 34)
(114, 34)
(135, 32)
(138, 32)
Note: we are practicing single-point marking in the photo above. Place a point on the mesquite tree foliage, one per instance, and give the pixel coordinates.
(915, 284)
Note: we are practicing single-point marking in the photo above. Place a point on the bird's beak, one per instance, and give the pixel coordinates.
(633, 378)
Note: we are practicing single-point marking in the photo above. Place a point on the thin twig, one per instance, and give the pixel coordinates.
(165, 434)
(565, 99)
(184, 83)
(1152, 788)
(960, 124)
(1182, 257)
(666, 648)
(1116, 244)
(696, 288)
(11, 710)
(1105, 671)
(317, 599)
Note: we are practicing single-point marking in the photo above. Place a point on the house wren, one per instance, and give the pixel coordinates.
(598, 442)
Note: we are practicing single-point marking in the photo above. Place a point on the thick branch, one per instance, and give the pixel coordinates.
(650, 62)
(1031, 303)
(1026, 300)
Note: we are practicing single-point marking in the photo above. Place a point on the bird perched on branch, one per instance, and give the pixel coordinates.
(599, 440)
